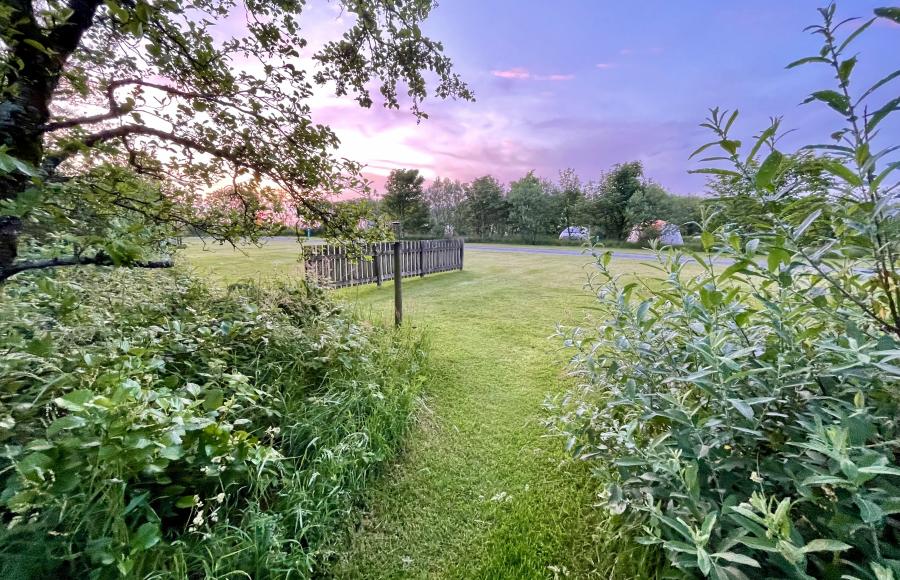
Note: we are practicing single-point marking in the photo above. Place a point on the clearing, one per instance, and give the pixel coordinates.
(480, 491)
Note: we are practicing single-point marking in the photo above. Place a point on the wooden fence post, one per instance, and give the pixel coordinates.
(376, 256)
(398, 287)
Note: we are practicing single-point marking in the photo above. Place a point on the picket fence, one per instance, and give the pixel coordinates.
(340, 266)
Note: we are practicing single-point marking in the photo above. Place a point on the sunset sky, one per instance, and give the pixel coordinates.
(589, 83)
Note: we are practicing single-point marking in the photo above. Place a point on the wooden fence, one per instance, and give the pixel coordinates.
(335, 266)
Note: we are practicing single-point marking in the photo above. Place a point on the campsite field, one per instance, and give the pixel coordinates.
(481, 491)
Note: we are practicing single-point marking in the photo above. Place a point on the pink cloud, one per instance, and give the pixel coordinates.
(513, 73)
(605, 65)
(555, 77)
(519, 73)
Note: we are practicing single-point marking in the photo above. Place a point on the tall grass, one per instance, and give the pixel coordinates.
(245, 425)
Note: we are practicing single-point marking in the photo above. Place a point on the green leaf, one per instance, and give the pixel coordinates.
(75, 400)
(880, 114)
(742, 407)
(147, 536)
(763, 137)
(768, 169)
(214, 399)
(825, 480)
(891, 13)
(854, 34)
(65, 423)
(833, 99)
(823, 545)
(845, 69)
(777, 256)
(880, 470)
(716, 171)
(807, 60)
(737, 558)
(707, 239)
(186, 501)
(838, 169)
(868, 511)
(878, 85)
(733, 269)
(704, 561)
(807, 222)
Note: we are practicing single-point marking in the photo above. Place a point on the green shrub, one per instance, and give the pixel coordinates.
(154, 426)
(749, 416)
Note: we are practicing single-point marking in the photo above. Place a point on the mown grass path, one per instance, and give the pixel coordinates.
(481, 492)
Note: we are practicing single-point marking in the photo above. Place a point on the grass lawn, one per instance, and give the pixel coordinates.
(480, 491)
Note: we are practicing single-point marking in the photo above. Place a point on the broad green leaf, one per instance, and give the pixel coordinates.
(840, 170)
(868, 510)
(833, 99)
(742, 407)
(65, 423)
(769, 169)
(147, 536)
(733, 269)
(704, 561)
(186, 501)
(823, 545)
(891, 13)
(777, 256)
(707, 239)
(846, 68)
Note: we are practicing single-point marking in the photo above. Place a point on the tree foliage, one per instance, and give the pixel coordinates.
(404, 199)
(91, 87)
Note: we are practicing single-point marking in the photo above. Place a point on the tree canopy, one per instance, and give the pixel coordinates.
(131, 109)
(404, 199)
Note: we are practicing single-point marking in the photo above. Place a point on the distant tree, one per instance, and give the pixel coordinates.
(607, 210)
(570, 194)
(404, 200)
(647, 205)
(486, 210)
(445, 199)
(530, 207)
(685, 212)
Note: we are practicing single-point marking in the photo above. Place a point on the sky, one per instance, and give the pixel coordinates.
(587, 84)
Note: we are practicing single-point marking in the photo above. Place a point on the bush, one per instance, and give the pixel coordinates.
(154, 426)
(749, 416)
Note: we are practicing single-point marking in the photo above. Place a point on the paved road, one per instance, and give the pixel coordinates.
(564, 251)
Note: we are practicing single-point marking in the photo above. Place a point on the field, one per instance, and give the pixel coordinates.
(480, 492)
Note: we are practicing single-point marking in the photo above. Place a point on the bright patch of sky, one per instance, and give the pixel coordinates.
(587, 84)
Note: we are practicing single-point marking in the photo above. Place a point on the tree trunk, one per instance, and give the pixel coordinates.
(30, 88)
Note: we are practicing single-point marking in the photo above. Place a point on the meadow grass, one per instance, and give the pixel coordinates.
(480, 490)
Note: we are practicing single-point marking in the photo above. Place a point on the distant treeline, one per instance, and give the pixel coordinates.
(532, 209)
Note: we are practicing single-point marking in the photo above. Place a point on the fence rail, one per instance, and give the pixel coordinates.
(336, 266)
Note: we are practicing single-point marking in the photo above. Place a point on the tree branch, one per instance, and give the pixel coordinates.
(98, 260)
(53, 160)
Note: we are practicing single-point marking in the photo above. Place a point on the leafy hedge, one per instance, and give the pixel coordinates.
(744, 406)
(154, 426)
